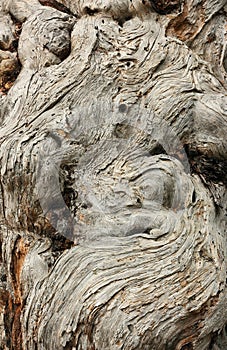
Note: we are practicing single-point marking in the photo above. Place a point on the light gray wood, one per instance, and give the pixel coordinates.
(113, 175)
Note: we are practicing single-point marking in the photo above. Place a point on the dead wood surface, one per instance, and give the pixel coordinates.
(113, 174)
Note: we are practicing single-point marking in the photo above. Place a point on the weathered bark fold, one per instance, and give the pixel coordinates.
(113, 174)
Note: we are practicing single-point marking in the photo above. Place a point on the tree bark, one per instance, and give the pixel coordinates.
(113, 174)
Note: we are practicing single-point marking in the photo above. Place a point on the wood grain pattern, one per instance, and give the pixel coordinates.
(113, 175)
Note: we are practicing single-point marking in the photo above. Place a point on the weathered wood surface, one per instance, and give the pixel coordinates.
(113, 174)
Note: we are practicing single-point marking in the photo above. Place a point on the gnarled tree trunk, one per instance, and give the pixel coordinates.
(113, 174)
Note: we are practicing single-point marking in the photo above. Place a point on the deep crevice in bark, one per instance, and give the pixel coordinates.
(57, 5)
(211, 168)
(10, 65)
(164, 7)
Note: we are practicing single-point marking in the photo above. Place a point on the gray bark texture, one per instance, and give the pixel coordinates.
(113, 163)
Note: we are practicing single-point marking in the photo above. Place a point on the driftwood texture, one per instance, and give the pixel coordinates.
(113, 174)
